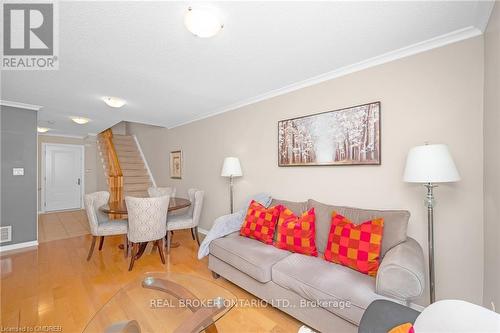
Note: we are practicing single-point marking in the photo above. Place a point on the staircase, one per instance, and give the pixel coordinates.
(136, 178)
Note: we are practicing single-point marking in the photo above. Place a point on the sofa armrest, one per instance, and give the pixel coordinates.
(401, 274)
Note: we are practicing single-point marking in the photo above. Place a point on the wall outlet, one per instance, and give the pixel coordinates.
(18, 171)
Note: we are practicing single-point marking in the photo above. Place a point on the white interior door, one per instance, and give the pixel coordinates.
(63, 177)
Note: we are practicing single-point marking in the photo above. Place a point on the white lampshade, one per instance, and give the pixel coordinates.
(231, 167)
(430, 164)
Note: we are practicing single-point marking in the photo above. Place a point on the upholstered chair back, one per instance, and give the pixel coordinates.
(92, 202)
(196, 198)
(147, 218)
(161, 191)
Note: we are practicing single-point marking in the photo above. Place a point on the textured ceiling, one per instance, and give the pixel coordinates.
(141, 51)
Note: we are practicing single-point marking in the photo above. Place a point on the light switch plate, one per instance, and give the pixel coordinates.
(18, 171)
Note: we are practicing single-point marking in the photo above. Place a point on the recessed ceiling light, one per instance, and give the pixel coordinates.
(42, 129)
(203, 21)
(80, 120)
(114, 102)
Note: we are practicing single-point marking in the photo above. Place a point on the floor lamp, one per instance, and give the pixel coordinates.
(231, 168)
(428, 165)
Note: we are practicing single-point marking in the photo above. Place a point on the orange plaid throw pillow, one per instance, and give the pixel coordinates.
(260, 222)
(355, 246)
(403, 328)
(296, 234)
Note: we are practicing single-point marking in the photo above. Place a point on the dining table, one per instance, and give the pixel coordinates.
(120, 208)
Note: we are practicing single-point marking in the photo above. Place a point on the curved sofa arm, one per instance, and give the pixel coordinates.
(401, 274)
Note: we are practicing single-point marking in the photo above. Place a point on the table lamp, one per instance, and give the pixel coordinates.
(430, 164)
(231, 168)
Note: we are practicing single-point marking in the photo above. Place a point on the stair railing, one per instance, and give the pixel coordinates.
(115, 175)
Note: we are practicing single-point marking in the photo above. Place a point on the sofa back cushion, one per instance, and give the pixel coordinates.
(297, 207)
(395, 223)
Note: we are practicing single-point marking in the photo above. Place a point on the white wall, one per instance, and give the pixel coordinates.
(492, 160)
(119, 128)
(436, 96)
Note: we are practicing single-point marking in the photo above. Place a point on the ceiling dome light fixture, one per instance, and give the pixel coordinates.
(203, 22)
(42, 129)
(80, 120)
(114, 102)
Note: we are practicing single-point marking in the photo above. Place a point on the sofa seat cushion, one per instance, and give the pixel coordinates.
(248, 255)
(339, 289)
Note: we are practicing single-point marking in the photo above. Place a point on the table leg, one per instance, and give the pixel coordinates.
(173, 244)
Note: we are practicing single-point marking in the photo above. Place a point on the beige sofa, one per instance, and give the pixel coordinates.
(323, 295)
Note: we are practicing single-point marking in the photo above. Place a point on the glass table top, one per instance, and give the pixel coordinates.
(163, 302)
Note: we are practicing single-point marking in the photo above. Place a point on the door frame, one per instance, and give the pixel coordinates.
(44, 176)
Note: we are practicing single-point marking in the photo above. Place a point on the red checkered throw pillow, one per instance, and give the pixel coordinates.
(260, 222)
(296, 234)
(355, 246)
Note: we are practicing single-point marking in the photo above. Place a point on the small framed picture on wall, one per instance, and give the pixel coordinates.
(176, 164)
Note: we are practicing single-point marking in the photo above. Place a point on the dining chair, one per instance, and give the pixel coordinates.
(99, 222)
(189, 220)
(161, 191)
(146, 219)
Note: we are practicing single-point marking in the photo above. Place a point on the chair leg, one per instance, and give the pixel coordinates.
(91, 250)
(126, 248)
(192, 233)
(101, 243)
(169, 239)
(159, 244)
(132, 256)
(196, 235)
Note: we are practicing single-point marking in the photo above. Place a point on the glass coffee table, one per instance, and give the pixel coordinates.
(163, 303)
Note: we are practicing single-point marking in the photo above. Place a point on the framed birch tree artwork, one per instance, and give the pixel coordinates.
(349, 136)
(176, 164)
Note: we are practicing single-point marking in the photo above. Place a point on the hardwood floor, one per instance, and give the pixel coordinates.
(55, 285)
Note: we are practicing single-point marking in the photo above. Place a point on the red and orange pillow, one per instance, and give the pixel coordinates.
(355, 246)
(403, 328)
(296, 234)
(260, 222)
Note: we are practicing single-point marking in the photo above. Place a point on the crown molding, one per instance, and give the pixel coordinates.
(429, 44)
(20, 105)
(81, 137)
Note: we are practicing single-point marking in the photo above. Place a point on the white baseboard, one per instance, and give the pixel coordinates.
(18, 246)
(202, 231)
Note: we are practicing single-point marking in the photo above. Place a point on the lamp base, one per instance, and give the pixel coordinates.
(429, 203)
(231, 185)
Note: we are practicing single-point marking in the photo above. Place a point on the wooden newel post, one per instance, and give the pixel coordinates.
(115, 175)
